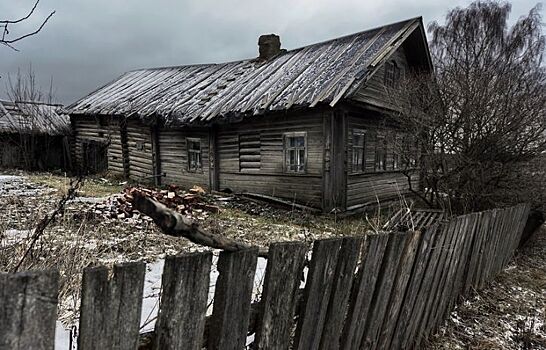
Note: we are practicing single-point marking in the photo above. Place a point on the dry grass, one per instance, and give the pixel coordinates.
(92, 187)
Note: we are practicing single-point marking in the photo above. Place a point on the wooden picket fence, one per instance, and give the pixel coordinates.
(377, 291)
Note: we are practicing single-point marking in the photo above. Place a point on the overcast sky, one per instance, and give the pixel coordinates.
(87, 43)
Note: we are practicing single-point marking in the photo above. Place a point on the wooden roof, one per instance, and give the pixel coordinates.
(33, 118)
(323, 73)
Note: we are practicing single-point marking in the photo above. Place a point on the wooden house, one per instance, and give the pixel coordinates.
(33, 135)
(309, 125)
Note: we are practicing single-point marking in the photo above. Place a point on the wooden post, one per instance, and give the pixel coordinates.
(124, 146)
(320, 281)
(232, 298)
(214, 160)
(185, 284)
(156, 154)
(282, 279)
(28, 310)
(111, 309)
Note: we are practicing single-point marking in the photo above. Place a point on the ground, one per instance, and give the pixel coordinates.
(510, 313)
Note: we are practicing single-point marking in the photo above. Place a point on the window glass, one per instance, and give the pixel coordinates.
(194, 155)
(295, 152)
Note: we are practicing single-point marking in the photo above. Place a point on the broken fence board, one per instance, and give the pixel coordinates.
(362, 291)
(414, 286)
(185, 284)
(320, 280)
(232, 298)
(349, 254)
(28, 310)
(382, 293)
(285, 264)
(111, 309)
(403, 274)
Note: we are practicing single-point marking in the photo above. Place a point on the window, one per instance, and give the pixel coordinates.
(359, 146)
(392, 74)
(295, 152)
(380, 153)
(194, 154)
(249, 152)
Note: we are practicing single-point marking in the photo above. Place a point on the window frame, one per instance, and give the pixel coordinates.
(363, 134)
(287, 149)
(189, 151)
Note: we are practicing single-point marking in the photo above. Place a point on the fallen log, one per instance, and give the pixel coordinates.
(175, 224)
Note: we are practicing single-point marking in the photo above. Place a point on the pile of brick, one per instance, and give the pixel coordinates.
(194, 202)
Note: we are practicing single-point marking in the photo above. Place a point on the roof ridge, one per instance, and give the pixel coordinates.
(327, 41)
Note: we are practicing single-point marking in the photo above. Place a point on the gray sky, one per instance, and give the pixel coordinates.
(87, 43)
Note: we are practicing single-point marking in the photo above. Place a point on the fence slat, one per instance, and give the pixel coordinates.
(383, 289)
(320, 280)
(111, 309)
(415, 286)
(28, 310)
(181, 319)
(349, 253)
(403, 274)
(362, 291)
(232, 297)
(285, 263)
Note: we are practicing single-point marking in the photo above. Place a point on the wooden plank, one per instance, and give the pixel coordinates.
(415, 286)
(28, 310)
(285, 263)
(382, 293)
(320, 280)
(185, 284)
(350, 252)
(232, 297)
(400, 285)
(111, 309)
(362, 291)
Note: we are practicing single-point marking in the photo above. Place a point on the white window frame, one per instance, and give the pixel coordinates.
(189, 152)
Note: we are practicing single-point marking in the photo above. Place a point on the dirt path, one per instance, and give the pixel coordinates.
(510, 313)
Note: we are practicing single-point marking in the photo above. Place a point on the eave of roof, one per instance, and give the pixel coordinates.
(33, 118)
(322, 73)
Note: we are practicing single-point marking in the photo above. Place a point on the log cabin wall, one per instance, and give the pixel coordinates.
(251, 157)
(140, 151)
(103, 129)
(377, 180)
(173, 153)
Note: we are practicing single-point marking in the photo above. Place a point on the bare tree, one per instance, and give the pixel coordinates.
(7, 24)
(483, 111)
(38, 112)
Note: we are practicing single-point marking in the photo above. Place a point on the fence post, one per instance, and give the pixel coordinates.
(28, 310)
(232, 297)
(285, 263)
(111, 309)
(185, 285)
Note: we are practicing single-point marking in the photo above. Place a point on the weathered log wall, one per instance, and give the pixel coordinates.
(270, 178)
(139, 146)
(371, 186)
(104, 129)
(174, 157)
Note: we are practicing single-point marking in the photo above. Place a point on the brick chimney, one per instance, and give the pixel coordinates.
(270, 46)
